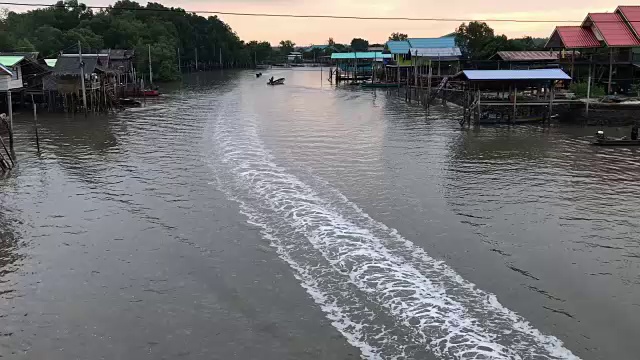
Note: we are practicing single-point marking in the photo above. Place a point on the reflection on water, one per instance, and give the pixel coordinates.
(121, 240)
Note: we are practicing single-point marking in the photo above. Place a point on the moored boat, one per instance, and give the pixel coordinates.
(616, 142)
(601, 140)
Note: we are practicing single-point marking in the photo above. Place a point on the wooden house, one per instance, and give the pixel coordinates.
(10, 73)
(609, 48)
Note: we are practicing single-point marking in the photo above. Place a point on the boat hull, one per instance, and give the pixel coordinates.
(616, 142)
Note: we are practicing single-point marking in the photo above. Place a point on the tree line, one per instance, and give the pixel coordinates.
(174, 32)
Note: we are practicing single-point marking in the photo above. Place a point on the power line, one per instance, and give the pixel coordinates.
(300, 16)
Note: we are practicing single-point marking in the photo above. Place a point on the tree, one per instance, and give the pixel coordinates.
(358, 44)
(331, 42)
(259, 51)
(398, 36)
(472, 38)
(286, 46)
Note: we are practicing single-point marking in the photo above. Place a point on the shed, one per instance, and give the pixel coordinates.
(70, 65)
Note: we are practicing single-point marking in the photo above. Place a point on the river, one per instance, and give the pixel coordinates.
(234, 220)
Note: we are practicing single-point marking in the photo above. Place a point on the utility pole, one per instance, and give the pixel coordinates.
(150, 71)
(196, 59)
(84, 90)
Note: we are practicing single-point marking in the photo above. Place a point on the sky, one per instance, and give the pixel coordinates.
(317, 31)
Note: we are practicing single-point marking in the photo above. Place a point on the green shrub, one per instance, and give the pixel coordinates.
(580, 90)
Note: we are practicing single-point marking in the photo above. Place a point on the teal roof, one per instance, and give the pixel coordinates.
(361, 55)
(398, 46)
(51, 62)
(10, 60)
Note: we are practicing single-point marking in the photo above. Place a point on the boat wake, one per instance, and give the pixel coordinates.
(387, 296)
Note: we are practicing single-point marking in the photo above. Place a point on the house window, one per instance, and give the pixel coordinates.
(15, 73)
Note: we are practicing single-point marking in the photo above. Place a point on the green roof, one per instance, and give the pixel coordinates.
(10, 60)
(51, 62)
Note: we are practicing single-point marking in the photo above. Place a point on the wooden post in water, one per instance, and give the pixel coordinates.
(10, 109)
(588, 93)
(84, 90)
(515, 101)
(415, 74)
(551, 93)
(35, 122)
(610, 88)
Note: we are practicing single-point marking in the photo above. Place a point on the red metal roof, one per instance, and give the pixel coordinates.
(528, 55)
(613, 29)
(632, 15)
(575, 37)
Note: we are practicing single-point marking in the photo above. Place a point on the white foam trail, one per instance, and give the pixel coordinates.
(384, 294)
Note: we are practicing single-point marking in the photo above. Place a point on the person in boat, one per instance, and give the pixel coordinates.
(271, 80)
(634, 132)
(600, 135)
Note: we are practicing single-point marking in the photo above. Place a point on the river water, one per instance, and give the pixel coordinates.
(233, 220)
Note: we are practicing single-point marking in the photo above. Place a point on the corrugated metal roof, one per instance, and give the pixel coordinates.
(398, 46)
(537, 74)
(10, 60)
(434, 53)
(51, 62)
(632, 15)
(613, 29)
(442, 42)
(70, 65)
(361, 55)
(574, 37)
(6, 70)
(528, 55)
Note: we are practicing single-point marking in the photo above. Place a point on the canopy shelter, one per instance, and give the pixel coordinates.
(510, 96)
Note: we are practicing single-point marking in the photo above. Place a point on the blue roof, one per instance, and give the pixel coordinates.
(361, 55)
(442, 42)
(398, 47)
(536, 74)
